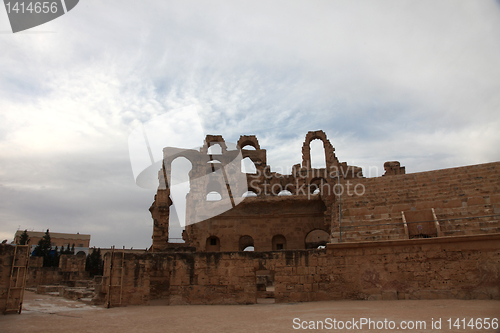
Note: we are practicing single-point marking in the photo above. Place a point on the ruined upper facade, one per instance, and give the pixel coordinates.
(311, 207)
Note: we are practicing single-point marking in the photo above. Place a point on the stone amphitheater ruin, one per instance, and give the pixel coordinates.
(335, 235)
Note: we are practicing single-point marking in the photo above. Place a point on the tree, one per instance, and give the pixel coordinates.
(43, 249)
(55, 257)
(94, 263)
(24, 238)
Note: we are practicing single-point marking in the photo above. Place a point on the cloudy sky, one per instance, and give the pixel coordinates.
(414, 81)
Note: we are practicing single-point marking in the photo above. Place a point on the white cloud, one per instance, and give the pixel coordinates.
(415, 81)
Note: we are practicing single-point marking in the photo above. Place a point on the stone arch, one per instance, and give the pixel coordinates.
(250, 193)
(213, 196)
(317, 237)
(213, 191)
(214, 186)
(321, 184)
(330, 158)
(245, 242)
(210, 140)
(317, 154)
(213, 244)
(290, 188)
(284, 193)
(178, 170)
(248, 140)
(213, 165)
(279, 243)
(248, 166)
(214, 149)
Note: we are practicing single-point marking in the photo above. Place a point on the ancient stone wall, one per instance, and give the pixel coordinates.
(256, 221)
(6, 257)
(462, 267)
(71, 268)
(217, 173)
(471, 192)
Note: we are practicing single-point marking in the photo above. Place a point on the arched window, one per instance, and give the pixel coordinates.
(179, 188)
(249, 193)
(284, 193)
(214, 191)
(319, 185)
(247, 166)
(279, 243)
(214, 196)
(318, 159)
(316, 238)
(245, 243)
(213, 244)
(249, 147)
(214, 149)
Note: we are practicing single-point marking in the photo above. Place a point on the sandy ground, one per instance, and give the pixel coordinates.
(43, 313)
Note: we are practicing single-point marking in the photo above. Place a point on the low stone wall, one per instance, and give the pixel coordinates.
(462, 267)
(72, 263)
(71, 268)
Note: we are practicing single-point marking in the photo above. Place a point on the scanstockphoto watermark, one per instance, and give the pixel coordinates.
(322, 187)
(300, 186)
(367, 324)
(26, 14)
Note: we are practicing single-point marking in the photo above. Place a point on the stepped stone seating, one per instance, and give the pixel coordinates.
(466, 201)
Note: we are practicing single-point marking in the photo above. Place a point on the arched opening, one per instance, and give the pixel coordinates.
(179, 188)
(249, 193)
(249, 249)
(213, 165)
(316, 238)
(214, 191)
(318, 157)
(213, 244)
(81, 253)
(214, 149)
(247, 166)
(284, 193)
(214, 186)
(249, 147)
(214, 196)
(245, 243)
(319, 185)
(279, 243)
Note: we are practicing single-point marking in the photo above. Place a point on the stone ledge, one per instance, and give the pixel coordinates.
(415, 241)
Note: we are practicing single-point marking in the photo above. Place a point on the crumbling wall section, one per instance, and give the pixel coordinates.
(71, 268)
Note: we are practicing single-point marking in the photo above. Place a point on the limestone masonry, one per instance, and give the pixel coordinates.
(317, 234)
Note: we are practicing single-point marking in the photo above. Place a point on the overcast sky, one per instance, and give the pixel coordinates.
(414, 81)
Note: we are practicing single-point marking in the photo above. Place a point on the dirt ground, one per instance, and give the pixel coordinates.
(43, 313)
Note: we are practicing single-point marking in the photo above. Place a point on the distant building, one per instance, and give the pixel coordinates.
(81, 241)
